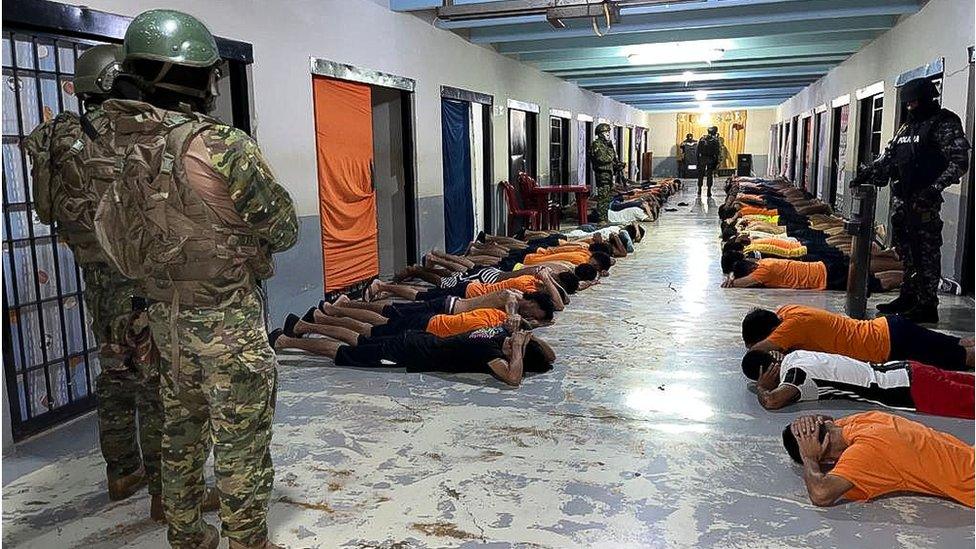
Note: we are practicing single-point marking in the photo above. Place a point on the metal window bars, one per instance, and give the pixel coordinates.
(51, 361)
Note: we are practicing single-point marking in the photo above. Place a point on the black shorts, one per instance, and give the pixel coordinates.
(544, 242)
(400, 324)
(458, 290)
(838, 269)
(909, 341)
(438, 305)
(371, 351)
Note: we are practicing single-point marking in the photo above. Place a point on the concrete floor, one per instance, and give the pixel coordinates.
(644, 435)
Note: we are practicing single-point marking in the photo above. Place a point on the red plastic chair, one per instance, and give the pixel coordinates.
(548, 207)
(516, 210)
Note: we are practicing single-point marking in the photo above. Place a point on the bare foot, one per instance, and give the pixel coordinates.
(342, 299)
(372, 291)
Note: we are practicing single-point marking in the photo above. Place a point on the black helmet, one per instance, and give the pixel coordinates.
(713, 130)
(920, 89)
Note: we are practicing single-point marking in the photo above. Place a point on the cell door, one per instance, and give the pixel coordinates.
(456, 160)
(347, 201)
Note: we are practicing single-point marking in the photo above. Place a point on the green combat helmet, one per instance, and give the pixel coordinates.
(170, 36)
(602, 127)
(96, 70)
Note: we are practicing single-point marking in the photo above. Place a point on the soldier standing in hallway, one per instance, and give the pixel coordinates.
(687, 154)
(709, 157)
(606, 166)
(197, 221)
(68, 180)
(928, 153)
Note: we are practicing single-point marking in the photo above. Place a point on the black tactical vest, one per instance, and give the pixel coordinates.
(917, 157)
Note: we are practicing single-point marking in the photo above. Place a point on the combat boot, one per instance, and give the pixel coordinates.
(922, 314)
(122, 487)
(266, 544)
(210, 539)
(899, 304)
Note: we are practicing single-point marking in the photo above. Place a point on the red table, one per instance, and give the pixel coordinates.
(582, 193)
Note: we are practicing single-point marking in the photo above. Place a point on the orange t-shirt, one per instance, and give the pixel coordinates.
(888, 453)
(778, 242)
(813, 329)
(754, 210)
(576, 258)
(786, 273)
(524, 284)
(452, 325)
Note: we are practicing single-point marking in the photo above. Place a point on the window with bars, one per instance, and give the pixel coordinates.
(51, 362)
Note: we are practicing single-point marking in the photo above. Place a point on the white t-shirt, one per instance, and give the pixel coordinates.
(606, 232)
(829, 376)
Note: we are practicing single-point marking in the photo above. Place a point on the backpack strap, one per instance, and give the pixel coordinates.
(88, 128)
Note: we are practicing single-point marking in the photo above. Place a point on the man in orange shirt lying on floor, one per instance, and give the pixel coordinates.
(872, 454)
(881, 339)
(803, 275)
(444, 317)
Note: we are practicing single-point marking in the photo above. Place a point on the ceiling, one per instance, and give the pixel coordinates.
(684, 55)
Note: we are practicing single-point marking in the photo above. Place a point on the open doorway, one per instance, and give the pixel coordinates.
(839, 125)
(466, 157)
(364, 143)
(803, 159)
(822, 156)
(522, 139)
(584, 137)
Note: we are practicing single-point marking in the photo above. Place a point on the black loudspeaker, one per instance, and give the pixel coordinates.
(744, 165)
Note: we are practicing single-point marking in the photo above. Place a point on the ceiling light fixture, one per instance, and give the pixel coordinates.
(701, 95)
(675, 52)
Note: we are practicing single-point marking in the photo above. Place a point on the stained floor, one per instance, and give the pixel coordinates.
(644, 435)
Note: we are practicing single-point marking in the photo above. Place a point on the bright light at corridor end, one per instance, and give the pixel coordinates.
(701, 95)
(675, 52)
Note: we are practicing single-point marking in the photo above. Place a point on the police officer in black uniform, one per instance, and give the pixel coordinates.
(928, 153)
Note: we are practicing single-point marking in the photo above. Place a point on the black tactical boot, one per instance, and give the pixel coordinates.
(900, 304)
(922, 314)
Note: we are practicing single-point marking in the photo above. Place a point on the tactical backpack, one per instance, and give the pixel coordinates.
(69, 178)
(152, 224)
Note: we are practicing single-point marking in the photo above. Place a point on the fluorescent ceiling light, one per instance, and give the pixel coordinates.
(705, 51)
(701, 95)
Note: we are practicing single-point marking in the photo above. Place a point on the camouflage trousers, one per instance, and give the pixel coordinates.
(128, 385)
(917, 237)
(604, 193)
(219, 394)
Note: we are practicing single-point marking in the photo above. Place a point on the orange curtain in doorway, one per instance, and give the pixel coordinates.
(731, 131)
(347, 203)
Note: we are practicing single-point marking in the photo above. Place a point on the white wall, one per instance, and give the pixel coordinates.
(942, 28)
(366, 34)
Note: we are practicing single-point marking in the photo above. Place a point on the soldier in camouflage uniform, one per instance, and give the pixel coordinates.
(66, 185)
(606, 165)
(228, 215)
(928, 153)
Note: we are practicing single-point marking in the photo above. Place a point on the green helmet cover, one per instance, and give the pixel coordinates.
(602, 127)
(170, 36)
(96, 69)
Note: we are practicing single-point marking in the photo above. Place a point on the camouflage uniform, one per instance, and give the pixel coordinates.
(927, 154)
(221, 391)
(603, 155)
(129, 378)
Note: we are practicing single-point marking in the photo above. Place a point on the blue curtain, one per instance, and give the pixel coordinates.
(456, 152)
